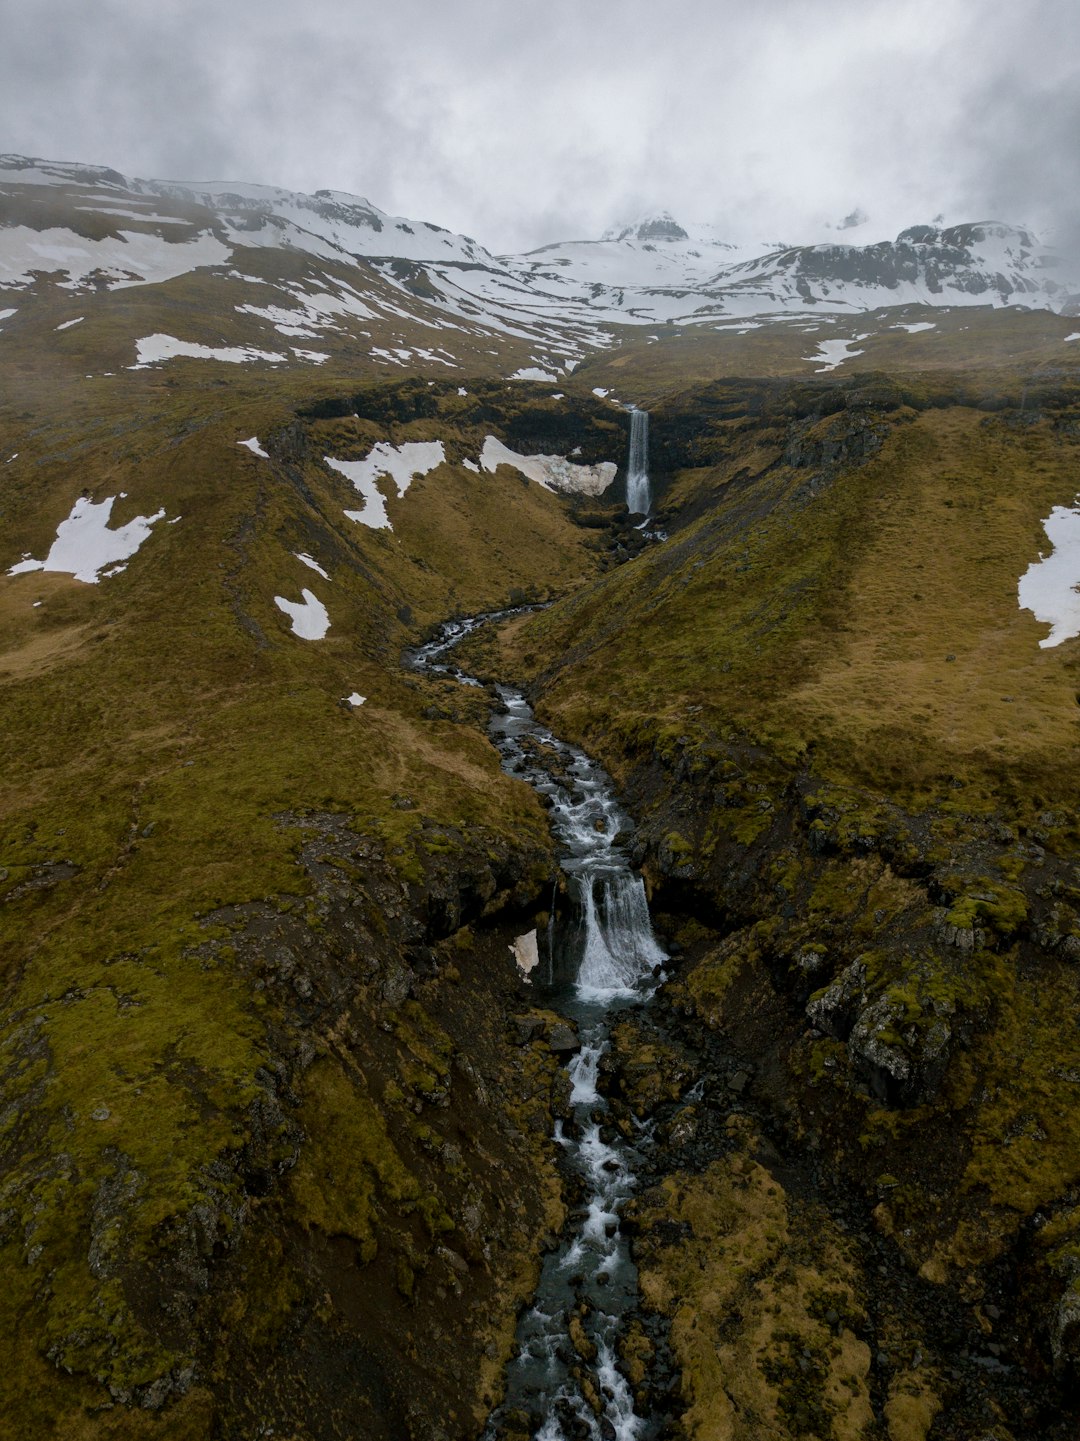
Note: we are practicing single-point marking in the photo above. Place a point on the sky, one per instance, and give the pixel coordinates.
(521, 124)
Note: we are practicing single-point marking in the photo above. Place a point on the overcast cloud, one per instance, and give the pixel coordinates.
(522, 125)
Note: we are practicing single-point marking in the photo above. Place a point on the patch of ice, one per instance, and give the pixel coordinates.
(309, 616)
(356, 699)
(310, 562)
(254, 446)
(69, 323)
(553, 472)
(153, 349)
(403, 463)
(913, 328)
(85, 546)
(533, 372)
(1050, 587)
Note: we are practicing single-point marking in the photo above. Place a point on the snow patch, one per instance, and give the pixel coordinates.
(553, 472)
(835, 352)
(1074, 336)
(309, 616)
(1050, 587)
(152, 349)
(402, 463)
(131, 258)
(66, 325)
(311, 563)
(526, 953)
(85, 546)
(254, 446)
(913, 328)
(356, 699)
(533, 372)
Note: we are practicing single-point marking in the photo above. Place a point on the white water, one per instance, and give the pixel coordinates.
(600, 957)
(638, 490)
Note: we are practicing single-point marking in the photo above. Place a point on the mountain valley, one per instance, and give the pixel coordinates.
(280, 1101)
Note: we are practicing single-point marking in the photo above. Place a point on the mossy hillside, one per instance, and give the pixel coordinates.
(147, 774)
(763, 1297)
(855, 760)
(647, 366)
(877, 601)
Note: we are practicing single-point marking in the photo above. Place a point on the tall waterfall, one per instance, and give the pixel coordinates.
(638, 492)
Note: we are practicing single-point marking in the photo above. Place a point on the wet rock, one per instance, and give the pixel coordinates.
(526, 1029)
(835, 1009)
(886, 1068)
(563, 1038)
(902, 1064)
(1066, 1332)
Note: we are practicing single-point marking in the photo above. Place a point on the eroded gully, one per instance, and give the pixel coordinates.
(596, 958)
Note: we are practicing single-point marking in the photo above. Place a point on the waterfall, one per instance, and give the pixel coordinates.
(601, 956)
(619, 946)
(638, 492)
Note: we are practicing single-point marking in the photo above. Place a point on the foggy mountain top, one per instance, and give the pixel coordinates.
(843, 120)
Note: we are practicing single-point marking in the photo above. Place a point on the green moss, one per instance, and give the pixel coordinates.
(350, 1167)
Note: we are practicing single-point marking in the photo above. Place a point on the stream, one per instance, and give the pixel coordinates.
(597, 956)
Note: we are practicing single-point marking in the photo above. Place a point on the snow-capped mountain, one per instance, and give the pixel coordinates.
(335, 270)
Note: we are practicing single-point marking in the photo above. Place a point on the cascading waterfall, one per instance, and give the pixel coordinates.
(604, 957)
(638, 490)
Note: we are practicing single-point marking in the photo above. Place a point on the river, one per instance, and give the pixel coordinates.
(597, 956)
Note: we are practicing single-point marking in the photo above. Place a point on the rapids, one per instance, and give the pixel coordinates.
(598, 956)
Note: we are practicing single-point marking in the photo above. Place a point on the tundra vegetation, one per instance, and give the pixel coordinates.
(277, 1108)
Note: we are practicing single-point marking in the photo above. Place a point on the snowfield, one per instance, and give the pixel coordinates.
(153, 349)
(310, 618)
(835, 352)
(131, 258)
(553, 472)
(85, 546)
(310, 563)
(401, 463)
(1050, 587)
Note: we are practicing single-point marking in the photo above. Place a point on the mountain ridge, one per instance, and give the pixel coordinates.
(651, 270)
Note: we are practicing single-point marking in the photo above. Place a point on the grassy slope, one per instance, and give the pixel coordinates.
(847, 745)
(156, 726)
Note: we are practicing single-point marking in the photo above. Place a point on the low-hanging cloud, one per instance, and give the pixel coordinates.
(523, 125)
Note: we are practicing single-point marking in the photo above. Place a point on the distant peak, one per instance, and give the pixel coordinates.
(662, 226)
